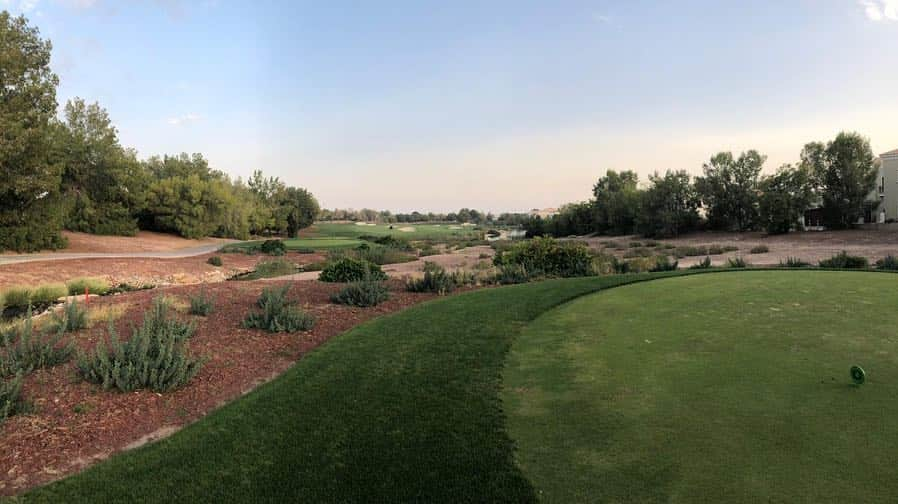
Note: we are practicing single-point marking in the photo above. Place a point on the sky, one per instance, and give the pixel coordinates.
(496, 105)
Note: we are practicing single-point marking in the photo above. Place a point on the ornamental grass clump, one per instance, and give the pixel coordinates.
(364, 293)
(349, 269)
(25, 350)
(153, 358)
(844, 261)
(201, 304)
(73, 317)
(11, 401)
(278, 314)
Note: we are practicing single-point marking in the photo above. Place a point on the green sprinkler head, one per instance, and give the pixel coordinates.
(857, 375)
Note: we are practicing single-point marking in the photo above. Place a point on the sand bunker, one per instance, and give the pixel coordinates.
(407, 229)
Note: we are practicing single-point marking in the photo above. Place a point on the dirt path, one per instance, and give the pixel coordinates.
(62, 256)
(143, 241)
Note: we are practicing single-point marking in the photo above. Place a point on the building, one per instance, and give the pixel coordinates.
(886, 189)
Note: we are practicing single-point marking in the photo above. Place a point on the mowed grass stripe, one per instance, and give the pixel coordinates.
(403, 408)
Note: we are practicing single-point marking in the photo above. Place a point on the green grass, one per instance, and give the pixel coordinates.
(719, 388)
(403, 408)
(421, 231)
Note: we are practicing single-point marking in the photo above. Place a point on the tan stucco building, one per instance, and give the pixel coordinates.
(887, 187)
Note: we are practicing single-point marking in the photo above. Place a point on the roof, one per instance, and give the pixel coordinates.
(890, 153)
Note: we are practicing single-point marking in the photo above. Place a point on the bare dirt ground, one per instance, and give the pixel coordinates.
(138, 271)
(464, 259)
(75, 424)
(145, 241)
(810, 246)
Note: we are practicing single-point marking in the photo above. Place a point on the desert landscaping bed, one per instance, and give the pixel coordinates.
(74, 423)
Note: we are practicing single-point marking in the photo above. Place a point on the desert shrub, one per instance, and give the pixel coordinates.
(663, 263)
(639, 252)
(691, 251)
(215, 261)
(11, 401)
(435, 279)
(25, 349)
(348, 269)
(20, 298)
(315, 266)
(277, 313)
(427, 250)
(126, 287)
(273, 247)
(888, 262)
(304, 250)
(715, 250)
(395, 243)
(363, 293)
(375, 255)
(730, 248)
(201, 304)
(547, 257)
(274, 268)
(703, 264)
(96, 286)
(794, 262)
(759, 249)
(635, 244)
(15, 300)
(73, 317)
(154, 357)
(48, 294)
(844, 261)
(736, 262)
(511, 274)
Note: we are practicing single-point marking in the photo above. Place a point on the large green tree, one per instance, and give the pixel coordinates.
(616, 202)
(102, 182)
(30, 213)
(669, 206)
(729, 190)
(844, 174)
(784, 198)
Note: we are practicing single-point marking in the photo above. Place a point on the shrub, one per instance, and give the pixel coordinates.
(278, 314)
(154, 357)
(650, 243)
(304, 250)
(511, 274)
(639, 252)
(348, 269)
(888, 262)
(20, 298)
(730, 248)
(97, 286)
(30, 350)
(715, 250)
(375, 255)
(16, 297)
(437, 280)
(215, 261)
(703, 264)
(273, 247)
(274, 268)
(126, 287)
(547, 257)
(635, 244)
(691, 251)
(844, 261)
(663, 263)
(73, 318)
(201, 304)
(794, 262)
(11, 401)
(759, 249)
(427, 250)
(363, 293)
(48, 294)
(736, 262)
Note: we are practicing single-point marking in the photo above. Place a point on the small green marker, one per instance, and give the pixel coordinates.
(858, 376)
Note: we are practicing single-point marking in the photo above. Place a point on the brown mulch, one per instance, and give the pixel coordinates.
(138, 271)
(74, 423)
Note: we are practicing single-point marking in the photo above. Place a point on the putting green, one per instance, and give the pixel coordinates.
(712, 388)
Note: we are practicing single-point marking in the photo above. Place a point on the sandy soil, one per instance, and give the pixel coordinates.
(75, 424)
(138, 271)
(811, 246)
(145, 241)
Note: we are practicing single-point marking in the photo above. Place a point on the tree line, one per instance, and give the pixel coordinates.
(73, 173)
(463, 215)
(730, 195)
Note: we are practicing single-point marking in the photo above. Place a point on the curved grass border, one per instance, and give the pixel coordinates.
(402, 408)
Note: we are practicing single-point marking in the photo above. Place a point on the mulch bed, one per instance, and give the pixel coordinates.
(75, 424)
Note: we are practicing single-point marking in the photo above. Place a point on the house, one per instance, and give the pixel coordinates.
(883, 197)
(886, 189)
(543, 213)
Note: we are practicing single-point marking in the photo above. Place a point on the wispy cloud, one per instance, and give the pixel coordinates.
(880, 10)
(184, 119)
(21, 6)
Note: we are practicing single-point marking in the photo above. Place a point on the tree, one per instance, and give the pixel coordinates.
(669, 206)
(729, 190)
(616, 202)
(844, 173)
(299, 209)
(30, 214)
(784, 198)
(101, 180)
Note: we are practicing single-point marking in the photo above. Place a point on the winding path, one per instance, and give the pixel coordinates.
(60, 256)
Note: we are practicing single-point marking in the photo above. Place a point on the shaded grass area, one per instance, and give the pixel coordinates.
(403, 408)
(712, 388)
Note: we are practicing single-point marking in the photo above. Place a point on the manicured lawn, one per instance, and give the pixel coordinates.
(321, 243)
(404, 230)
(712, 388)
(404, 408)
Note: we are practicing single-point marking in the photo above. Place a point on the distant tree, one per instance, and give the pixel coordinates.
(729, 190)
(299, 208)
(534, 226)
(571, 219)
(669, 206)
(844, 173)
(784, 198)
(30, 213)
(616, 202)
(103, 183)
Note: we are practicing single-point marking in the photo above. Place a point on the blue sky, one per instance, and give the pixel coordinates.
(498, 105)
